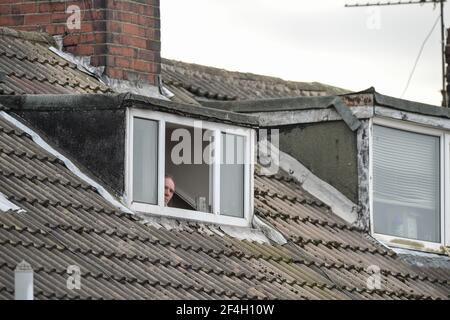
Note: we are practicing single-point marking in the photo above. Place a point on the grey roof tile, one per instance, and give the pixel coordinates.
(67, 222)
(190, 83)
(27, 66)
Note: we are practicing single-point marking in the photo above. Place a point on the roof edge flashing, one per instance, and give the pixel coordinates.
(410, 106)
(6, 205)
(202, 112)
(271, 105)
(136, 85)
(347, 115)
(86, 102)
(368, 97)
(268, 230)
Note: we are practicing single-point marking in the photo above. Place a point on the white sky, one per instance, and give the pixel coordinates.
(310, 40)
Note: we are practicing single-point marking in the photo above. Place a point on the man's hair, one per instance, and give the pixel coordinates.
(169, 176)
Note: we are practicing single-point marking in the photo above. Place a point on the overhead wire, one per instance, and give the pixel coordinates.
(419, 55)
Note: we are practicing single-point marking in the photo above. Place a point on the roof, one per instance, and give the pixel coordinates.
(191, 83)
(28, 66)
(349, 107)
(369, 97)
(67, 223)
(114, 101)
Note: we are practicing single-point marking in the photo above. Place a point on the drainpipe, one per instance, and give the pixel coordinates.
(23, 282)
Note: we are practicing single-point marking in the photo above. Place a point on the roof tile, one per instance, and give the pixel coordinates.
(67, 222)
(29, 67)
(191, 83)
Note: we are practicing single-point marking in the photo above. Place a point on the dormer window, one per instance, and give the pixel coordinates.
(410, 170)
(209, 163)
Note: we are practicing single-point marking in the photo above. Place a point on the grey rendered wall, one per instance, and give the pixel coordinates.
(94, 139)
(327, 149)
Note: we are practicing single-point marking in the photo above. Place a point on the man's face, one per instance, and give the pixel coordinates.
(169, 189)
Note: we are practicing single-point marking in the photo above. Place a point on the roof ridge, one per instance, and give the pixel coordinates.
(33, 36)
(238, 75)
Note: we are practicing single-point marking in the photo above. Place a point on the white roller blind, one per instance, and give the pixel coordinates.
(406, 184)
(145, 161)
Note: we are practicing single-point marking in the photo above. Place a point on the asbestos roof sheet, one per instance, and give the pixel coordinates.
(27, 66)
(66, 222)
(120, 257)
(191, 83)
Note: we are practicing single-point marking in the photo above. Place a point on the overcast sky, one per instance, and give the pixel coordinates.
(310, 40)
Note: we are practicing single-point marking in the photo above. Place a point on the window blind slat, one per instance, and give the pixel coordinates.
(406, 184)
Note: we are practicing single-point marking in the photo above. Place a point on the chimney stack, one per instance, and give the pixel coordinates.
(23, 282)
(121, 35)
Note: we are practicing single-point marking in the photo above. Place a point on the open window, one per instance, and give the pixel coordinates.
(188, 162)
(210, 164)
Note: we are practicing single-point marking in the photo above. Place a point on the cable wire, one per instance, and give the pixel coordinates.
(420, 53)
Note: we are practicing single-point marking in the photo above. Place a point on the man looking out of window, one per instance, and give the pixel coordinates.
(169, 189)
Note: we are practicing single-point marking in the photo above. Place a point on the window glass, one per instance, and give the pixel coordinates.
(406, 170)
(232, 175)
(145, 161)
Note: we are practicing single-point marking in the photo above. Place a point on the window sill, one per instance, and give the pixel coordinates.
(410, 244)
(422, 254)
(152, 210)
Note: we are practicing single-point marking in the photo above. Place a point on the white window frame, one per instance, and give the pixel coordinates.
(217, 128)
(444, 169)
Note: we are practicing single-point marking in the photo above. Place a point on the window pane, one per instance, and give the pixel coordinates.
(406, 184)
(145, 161)
(232, 176)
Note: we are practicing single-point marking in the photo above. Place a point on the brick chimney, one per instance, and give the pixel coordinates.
(121, 35)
